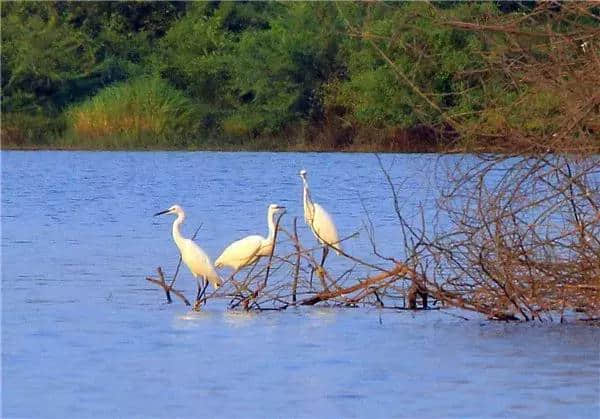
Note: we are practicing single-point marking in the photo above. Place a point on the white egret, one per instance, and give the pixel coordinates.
(192, 255)
(246, 251)
(320, 222)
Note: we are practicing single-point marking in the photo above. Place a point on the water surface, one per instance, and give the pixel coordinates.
(84, 335)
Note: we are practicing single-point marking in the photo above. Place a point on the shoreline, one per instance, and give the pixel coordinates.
(349, 150)
(263, 147)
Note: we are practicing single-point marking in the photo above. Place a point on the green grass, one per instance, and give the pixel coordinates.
(21, 130)
(143, 113)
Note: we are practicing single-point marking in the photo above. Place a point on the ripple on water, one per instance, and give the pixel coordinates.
(84, 335)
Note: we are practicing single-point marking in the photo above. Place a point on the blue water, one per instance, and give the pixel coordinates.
(84, 335)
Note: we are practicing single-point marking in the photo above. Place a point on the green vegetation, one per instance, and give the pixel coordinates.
(278, 75)
(143, 112)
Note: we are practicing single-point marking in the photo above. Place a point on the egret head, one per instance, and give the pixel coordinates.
(274, 208)
(303, 174)
(175, 209)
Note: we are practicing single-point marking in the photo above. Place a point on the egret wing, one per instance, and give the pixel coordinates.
(199, 263)
(324, 228)
(241, 253)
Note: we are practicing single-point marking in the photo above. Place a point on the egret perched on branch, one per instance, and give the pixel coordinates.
(320, 222)
(246, 251)
(192, 255)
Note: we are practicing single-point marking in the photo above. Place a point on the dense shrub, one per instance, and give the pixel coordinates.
(336, 75)
(30, 130)
(144, 111)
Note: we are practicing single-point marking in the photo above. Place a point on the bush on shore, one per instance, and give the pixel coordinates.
(144, 112)
(345, 76)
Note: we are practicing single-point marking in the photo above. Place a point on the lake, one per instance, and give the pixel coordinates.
(84, 335)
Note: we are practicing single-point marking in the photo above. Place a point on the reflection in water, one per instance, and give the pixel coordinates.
(84, 335)
(195, 316)
(239, 318)
(322, 315)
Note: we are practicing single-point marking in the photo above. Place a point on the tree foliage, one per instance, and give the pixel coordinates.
(260, 69)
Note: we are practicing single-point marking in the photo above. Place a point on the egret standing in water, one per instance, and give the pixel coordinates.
(192, 255)
(246, 251)
(320, 222)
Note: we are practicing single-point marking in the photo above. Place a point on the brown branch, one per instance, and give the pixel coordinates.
(167, 288)
(297, 266)
(272, 250)
(494, 28)
(327, 295)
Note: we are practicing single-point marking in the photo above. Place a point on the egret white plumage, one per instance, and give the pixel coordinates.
(319, 221)
(246, 251)
(192, 255)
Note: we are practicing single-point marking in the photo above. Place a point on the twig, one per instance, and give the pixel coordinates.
(272, 249)
(323, 296)
(162, 283)
(297, 266)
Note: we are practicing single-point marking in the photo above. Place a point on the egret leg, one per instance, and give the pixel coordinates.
(244, 285)
(320, 269)
(197, 302)
(202, 285)
(236, 284)
(238, 287)
(325, 253)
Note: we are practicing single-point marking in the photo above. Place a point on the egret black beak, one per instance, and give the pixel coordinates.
(279, 207)
(161, 213)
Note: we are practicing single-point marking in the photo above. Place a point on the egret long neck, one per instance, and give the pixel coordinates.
(271, 224)
(308, 204)
(177, 237)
